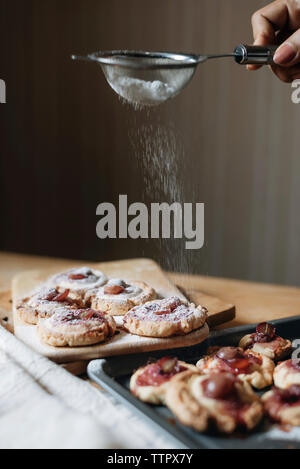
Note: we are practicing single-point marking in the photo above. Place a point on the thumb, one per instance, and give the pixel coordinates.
(289, 52)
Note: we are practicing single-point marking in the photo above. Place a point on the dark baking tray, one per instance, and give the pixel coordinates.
(113, 374)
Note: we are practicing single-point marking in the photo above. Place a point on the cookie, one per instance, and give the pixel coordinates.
(221, 399)
(43, 302)
(249, 366)
(287, 373)
(149, 383)
(117, 296)
(76, 327)
(283, 405)
(164, 318)
(78, 281)
(266, 342)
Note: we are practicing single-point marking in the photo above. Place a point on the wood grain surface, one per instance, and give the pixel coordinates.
(122, 342)
(253, 301)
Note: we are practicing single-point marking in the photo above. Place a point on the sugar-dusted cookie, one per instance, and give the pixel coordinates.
(43, 302)
(76, 327)
(249, 366)
(78, 281)
(149, 383)
(266, 342)
(117, 296)
(287, 373)
(283, 405)
(222, 399)
(165, 318)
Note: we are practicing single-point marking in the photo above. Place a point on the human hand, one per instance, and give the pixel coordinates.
(277, 22)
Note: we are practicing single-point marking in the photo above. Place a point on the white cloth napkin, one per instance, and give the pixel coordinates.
(44, 406)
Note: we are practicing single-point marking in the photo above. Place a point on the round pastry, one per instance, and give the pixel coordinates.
(223, 399)
(117, 297)
(249, 366)
(76, 327)
(149, 383)
(283, 405)
(287, 373)
(78, 281)
(184, 405)
(43, 302)
(165, 318)
(266, 342)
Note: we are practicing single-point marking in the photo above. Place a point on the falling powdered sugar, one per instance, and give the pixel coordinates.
(160, 157)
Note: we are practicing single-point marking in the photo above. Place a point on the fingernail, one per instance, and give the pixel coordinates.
(251, 67)
(284, 54)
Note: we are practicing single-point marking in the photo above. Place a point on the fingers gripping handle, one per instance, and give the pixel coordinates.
(258, 55)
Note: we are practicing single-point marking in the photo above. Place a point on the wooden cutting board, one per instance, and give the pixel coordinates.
(122, 343)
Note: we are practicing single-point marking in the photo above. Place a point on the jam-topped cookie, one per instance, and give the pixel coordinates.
(76, 327)
(117, 296)
(43, 302)
(78, 281)
(165, 318)
(249, 366)
(287, 373)
(283, 405)
(266, 342)
(222, 399)
(149, 383)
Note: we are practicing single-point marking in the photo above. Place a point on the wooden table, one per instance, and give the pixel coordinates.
(254, 301)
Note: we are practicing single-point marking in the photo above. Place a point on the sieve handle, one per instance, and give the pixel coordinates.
(259, 55)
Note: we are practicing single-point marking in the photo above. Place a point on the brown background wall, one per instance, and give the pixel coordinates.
(66, 140)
